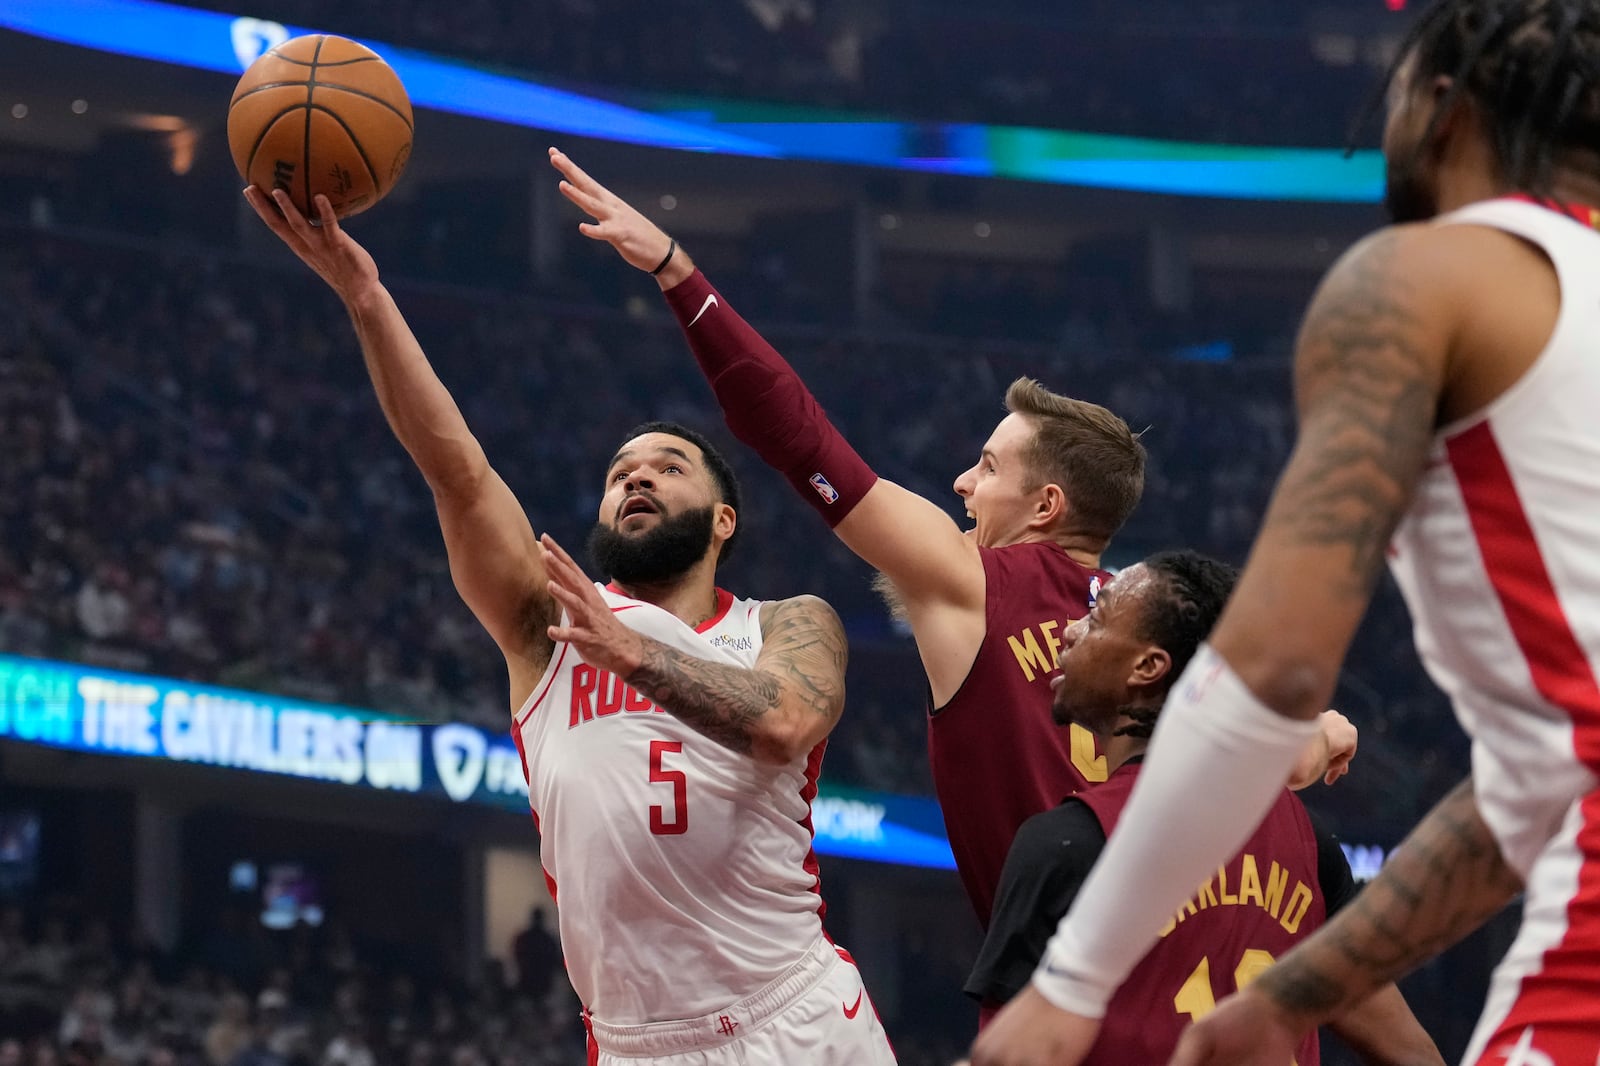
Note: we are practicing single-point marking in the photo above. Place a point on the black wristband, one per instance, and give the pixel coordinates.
(672, 249)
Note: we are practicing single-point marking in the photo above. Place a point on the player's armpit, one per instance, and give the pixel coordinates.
(775, 711)
(917, 546)
(934, 576)
(496, 567)
(927, 559)
(1369, 368)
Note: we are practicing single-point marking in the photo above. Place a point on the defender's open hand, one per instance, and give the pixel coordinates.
(638, 240)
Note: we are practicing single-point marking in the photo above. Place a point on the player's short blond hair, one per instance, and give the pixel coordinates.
(1085, 449)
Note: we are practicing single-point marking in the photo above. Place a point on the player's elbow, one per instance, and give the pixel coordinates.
(1294, 687)
(777, 747)
(788, 736)
(455, 475)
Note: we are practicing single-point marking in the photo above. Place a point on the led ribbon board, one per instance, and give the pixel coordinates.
(209, 41)
(109, 712)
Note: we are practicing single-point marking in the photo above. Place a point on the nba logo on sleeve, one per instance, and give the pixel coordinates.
(828, 493)
(1094, 589)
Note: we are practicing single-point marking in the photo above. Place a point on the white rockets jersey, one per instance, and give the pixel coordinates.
(684, 873)
(1499, 557)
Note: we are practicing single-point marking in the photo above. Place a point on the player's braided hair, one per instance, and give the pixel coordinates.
(722, 474)
(1188, 594)
(1532, 67)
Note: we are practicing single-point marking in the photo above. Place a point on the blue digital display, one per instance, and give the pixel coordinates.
(209, 41)
(109, 712)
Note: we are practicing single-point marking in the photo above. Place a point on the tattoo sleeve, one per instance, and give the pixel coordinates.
(1447, 879)
(782, 706)
(1367, 376)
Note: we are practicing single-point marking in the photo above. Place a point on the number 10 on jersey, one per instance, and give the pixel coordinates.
(660, 823)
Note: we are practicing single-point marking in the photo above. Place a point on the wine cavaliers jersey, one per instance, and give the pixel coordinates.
(1260, 903)
(684, 870)
(997, 757)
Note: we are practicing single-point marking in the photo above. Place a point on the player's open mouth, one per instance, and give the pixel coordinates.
(636, 505)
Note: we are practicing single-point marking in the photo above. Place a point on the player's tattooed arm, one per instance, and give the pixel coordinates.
(1446, 880)
(1369, 368)
(775, 711)
(1367, 379)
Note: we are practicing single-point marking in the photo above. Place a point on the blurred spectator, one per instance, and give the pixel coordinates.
(229, 1034)
(538, 956)
(350, 1048)
(102, 610)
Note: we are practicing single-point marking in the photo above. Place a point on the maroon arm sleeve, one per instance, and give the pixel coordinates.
(766, 405)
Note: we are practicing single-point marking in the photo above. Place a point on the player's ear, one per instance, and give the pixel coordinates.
(724, 520)
(1462, 114)
(1152, 667)
(1050, 503)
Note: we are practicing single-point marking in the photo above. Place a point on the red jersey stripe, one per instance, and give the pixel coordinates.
(808, 793)
(1511, 557)
(1564, 676)
(550, 675)
(1557, 1001)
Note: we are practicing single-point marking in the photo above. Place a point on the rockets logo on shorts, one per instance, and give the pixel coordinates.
(828, 493)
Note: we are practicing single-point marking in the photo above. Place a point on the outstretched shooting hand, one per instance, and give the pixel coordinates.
(323, 246)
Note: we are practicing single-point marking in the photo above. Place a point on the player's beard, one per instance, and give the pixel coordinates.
(663, 554)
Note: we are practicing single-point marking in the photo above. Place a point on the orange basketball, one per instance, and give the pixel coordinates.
(321, 114)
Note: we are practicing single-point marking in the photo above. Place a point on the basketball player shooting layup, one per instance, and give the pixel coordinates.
(987, 607)
(671, 734)
(1448, 380)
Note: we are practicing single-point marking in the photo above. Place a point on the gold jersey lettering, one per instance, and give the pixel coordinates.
(1088, 761)
(1277, 882)
(1029, 655)
(1050, 642)
(1299, 903)
(1250, 883)
(1223, 895)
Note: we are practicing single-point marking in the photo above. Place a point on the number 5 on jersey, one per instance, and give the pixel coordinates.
(660, 825)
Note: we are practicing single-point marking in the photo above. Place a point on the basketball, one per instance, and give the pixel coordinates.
(321, 114)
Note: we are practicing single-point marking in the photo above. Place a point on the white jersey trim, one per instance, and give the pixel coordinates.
(542, 689)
